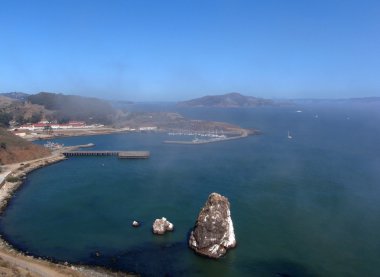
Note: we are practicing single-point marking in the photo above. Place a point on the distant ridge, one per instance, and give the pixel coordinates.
(364, 100)
(229, 100)
(16, 95)
(32, 108)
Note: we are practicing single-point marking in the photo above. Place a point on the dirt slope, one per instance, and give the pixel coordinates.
(14, 149)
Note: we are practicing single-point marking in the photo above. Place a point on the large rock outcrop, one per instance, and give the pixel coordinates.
(213, 233)
(160, 226)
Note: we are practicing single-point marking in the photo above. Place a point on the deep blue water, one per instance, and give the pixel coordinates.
(308, 206)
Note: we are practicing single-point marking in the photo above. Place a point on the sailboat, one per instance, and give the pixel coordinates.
(289, 136)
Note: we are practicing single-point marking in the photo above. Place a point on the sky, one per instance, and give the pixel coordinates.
(162, 50)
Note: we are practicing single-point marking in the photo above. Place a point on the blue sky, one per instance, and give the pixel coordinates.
(174, 50)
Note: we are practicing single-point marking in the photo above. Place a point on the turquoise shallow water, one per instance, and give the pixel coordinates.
(302, 207)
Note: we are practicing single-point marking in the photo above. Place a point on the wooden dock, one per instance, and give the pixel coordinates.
(119, 154)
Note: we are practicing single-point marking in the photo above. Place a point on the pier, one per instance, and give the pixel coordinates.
(119, 154)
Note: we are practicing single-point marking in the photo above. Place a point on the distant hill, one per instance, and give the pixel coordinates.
(14, 149)
(16, 95)
(366, 99)
(74, 107)
(230, 100)
(360, 100)
(26, 108)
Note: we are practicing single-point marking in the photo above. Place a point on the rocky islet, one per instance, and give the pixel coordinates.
(213, 233)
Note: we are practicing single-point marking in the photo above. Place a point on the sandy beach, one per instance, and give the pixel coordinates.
(16, 263)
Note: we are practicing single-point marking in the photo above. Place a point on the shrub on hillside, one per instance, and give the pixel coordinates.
(12, 179)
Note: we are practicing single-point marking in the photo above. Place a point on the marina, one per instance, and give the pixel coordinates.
(211, 137)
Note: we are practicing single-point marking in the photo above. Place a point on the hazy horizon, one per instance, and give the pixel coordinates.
(178, 50)
(197, 97)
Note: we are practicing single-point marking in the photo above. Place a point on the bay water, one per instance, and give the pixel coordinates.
(306, 206)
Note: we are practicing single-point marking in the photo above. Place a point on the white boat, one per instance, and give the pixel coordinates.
(53, 145)
(289, 136)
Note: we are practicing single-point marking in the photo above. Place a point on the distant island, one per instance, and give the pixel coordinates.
(357, 100)
(229, 100)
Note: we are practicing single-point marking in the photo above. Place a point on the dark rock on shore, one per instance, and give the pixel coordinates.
(213, 233)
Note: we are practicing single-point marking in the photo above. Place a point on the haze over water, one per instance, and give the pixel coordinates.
(306, 206)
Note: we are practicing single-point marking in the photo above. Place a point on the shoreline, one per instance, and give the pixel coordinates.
(40, 266)
(238, 134)
(22, 262)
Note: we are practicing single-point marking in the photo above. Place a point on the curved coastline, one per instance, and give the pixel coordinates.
(22, 262)
(44, 266)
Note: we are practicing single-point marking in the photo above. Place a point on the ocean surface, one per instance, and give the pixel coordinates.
(306, 206)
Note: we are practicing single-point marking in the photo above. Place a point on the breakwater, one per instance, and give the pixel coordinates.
(119, 154)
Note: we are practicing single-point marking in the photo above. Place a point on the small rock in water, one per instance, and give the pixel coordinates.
(213, 233)
(135, 223)
(160, 226)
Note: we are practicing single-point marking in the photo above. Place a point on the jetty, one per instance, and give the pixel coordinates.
(119, 154)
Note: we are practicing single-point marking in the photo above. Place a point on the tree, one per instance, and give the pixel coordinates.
(48, 129)
(5, 118)
(20, 119)
(36, 117)
(62, 119)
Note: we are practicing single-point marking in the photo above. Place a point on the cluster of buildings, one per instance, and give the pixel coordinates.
(45, 128)
(148, 128)
(43, 125)
(34, 128)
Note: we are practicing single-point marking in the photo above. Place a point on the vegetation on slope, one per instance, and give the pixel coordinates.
(74, 107)
(21, 112)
